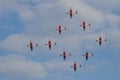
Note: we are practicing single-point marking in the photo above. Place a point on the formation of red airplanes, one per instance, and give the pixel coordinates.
(65, 54)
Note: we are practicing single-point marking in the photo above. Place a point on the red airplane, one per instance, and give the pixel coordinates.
(86, 55)
(64, 55)
(50, 43)
(31, 45)
(84, 25)
(60, 28)
(71, 12)
(100, 40)
(75, 66)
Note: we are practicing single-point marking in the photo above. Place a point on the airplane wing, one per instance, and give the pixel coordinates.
(105, 39)
(83, 55)
(97, 40)
(76, 12)
(80, 65)
(61, 55)
(69, 54)
(72, 66)
(81, 25)
(28, 45)
(67, 13)
(54, 43)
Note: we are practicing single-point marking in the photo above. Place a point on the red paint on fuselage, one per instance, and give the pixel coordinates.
(64, 55)
(31, 45)
(49, 44)
(70, 13)
(59, 29)
(75, 66)
(86, 55)
(84, 25)
(100, 40)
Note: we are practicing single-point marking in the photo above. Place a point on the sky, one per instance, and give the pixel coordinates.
(36, 20)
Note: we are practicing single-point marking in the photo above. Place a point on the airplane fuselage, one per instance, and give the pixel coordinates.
(84, 25)
(86, 55)
(75, 66)
(60, 29)
(64, 55)
(100, 41)
(70, 13)
(49, 44)
(31, 46)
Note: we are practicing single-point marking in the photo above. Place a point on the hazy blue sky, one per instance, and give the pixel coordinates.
(36, 20)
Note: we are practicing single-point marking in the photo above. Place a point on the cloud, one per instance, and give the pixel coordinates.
(113, 20)
(27, 16)
(56, 64)
(18, 66)
(106, 6)
(7, 7)
(114, 40)
(16, 42)
(97, 65)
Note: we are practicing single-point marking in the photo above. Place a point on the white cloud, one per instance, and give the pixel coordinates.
(97, 65)
(105, 5)
(18, 66)
(7, 6)
(27, 16)
(17, 43)
(113, 20)
(114, 39)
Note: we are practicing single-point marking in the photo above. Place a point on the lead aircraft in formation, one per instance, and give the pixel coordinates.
(71, 13)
